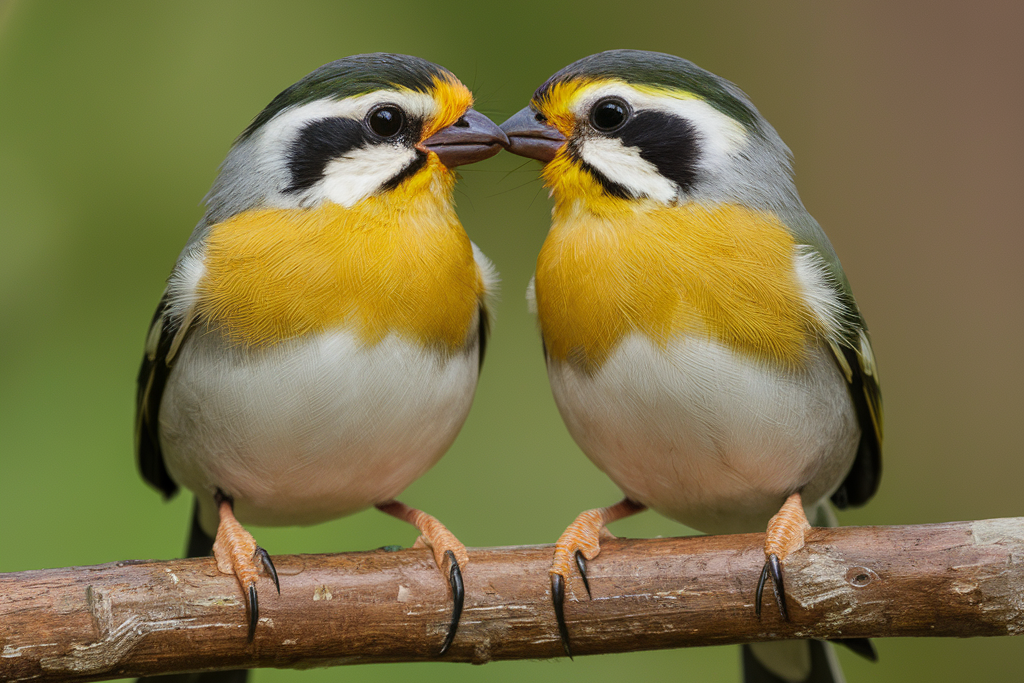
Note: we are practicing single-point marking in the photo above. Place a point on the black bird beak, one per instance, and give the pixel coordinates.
(529, 136)
(474, 137)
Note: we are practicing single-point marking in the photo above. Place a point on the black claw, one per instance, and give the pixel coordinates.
(458, 596)
(760, 589)
(268, 565)
(254, 611)
(777, 584)
(581, 564)
(558, 601)
(774, 567)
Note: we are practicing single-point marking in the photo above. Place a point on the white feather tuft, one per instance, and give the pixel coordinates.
(183, 284)
(821, 292)
(490, 277)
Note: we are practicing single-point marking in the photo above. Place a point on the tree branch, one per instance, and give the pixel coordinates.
(145, 617)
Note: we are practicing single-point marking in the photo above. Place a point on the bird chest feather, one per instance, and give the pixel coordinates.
(387, 265)
(726, 272)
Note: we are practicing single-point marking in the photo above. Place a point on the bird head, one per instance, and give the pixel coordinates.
(627, 125)
(356, 127)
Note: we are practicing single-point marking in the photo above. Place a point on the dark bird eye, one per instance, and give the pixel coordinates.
(609, 114)
(386, 121)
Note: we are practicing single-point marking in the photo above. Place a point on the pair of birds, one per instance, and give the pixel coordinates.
(319, 341)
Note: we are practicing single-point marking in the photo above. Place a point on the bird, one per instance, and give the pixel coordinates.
(702, 342)
(318, 344)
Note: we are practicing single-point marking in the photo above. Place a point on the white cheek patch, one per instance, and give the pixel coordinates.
(624, 166)
(360, 173)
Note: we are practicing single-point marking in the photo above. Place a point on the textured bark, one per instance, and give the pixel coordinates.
(132, 618)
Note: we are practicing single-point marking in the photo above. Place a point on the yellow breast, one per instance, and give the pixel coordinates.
(397, 263)
(723, 271)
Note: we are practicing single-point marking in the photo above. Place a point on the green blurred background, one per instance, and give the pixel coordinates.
(906, 127)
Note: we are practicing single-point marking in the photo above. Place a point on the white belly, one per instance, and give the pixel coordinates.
(706, 436)
(310, 429)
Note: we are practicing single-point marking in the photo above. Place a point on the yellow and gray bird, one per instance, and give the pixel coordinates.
(318, 344)
(703, 344)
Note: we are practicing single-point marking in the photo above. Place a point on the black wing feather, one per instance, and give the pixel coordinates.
(152, 379)
(864, 476)
(484, 331)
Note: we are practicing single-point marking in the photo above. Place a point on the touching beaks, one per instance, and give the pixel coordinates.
(474, 137)
(530, 137)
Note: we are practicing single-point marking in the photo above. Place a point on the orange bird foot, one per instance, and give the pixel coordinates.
(449, 555)
(578, 544)
(236, 553)
(785, 535)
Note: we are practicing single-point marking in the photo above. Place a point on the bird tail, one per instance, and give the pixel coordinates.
(791, 661)
(200, 544)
